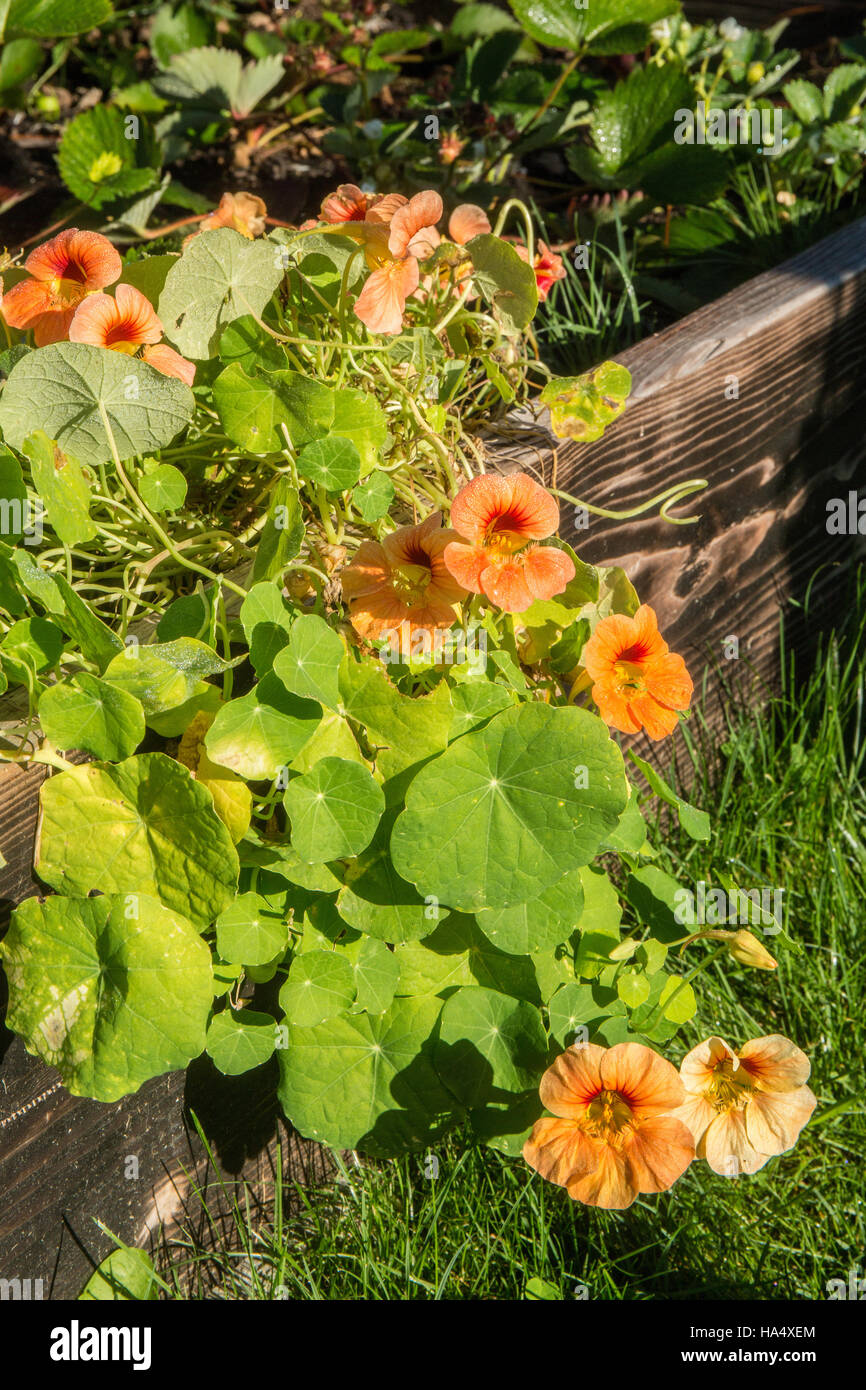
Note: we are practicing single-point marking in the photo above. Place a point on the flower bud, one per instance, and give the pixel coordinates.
(745, 947)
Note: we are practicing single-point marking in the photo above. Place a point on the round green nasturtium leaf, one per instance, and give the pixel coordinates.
(574, 1006)
(18, 515)
(377, 974)
(546, 921)
(110, 990)
(238, 1040)
(376, 900)
(31, 643)
(489, 1042)
(163, 489)
(246, 931)
(332, 739)
(147, 678)
(630, 834)
(334, 809)
(279, 860)
(264, 603)
(64, 487)
(633, 987)
(505, 811)
(458, 953)
(677, 1000)
(61, 388)
(262, 732)
(365, 1082)
(187, 616)
(321, 984)
(310, 664)
(165, 675)
(220, 276)
(206, 699)
(225, 975)
(143, 825)
(652, 955)
(505, 281)
(267, 641)
(90, 714)
(373, 497)
(475, 702)
(599, 924)
(332, 463)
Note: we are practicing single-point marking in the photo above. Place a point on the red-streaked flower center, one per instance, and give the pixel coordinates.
(510, 527)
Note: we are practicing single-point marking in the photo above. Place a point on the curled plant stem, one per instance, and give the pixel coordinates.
(154, 524)
(527, 223)
(669, 498)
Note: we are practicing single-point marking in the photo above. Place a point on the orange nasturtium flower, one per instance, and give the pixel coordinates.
(348, 204)
(638, 682)
(63, 271)
(244, 212)
(744, 1107)
(396, 238)
(467, 221)
(128, 323)
(401, 586)
(613, 1135)
(498, 521)
(548, 268)
(351, 204)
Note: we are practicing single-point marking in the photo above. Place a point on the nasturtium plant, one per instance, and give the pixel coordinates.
(354, 810)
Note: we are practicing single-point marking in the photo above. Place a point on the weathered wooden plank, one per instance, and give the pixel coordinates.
(762, 394)
(66, 1162)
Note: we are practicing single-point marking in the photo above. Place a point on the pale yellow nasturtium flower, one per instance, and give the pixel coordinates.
(744, 1107)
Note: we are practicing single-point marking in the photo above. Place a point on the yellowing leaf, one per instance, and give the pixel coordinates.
(581, 407)
(232, 798)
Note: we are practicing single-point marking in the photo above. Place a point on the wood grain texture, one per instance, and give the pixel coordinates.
(793, 342)
(793, 438)
(67, 1162)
